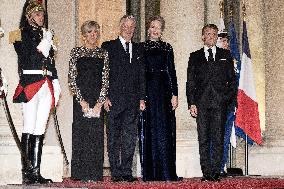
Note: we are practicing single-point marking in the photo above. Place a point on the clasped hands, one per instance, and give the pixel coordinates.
(91, 112)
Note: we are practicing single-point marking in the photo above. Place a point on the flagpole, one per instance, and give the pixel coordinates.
(246, 156)
(246, 141)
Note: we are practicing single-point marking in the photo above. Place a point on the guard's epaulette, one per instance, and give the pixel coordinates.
(15, 36)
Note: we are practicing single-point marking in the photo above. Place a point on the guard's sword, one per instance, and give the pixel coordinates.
(59, 137)
(11, 124)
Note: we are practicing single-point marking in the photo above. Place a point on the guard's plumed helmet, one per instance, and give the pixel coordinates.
(33, 6)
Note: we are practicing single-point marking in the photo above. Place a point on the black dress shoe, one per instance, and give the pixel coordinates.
(176, 179)
(179, 178)
(116, 179)
(87, 180)
(206, 178)
(75, 179)
(129, 178)
(223, 174)
(216, 178)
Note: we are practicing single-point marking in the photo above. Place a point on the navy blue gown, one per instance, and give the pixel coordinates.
(157, 124)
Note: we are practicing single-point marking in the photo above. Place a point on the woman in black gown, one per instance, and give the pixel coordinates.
(158, 129)
(88, 81)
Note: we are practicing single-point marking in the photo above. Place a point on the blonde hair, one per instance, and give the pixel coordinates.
(88, 26)
(158, 18)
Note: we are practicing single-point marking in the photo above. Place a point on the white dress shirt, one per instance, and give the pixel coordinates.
(207, 53)
(124, 46)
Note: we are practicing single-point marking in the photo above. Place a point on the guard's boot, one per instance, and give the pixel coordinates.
(36, 151)
(26, 163)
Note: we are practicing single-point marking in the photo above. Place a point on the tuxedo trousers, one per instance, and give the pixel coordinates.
(122, 128)
(210, 129)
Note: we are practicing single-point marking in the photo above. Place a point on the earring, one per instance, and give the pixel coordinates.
(148, 35)
(84, 40)
(161, 37)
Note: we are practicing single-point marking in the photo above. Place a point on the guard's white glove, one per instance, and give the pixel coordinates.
(57, 90)
(46, 42)
(4, 88)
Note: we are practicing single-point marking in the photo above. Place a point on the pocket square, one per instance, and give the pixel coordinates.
(223, 59)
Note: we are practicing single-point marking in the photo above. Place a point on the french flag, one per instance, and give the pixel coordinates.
(247, 115)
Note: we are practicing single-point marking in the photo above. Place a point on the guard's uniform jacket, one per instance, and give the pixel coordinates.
(29, 60)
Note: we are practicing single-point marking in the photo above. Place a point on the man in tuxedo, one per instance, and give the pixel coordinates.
(125, 99)
(210, 91)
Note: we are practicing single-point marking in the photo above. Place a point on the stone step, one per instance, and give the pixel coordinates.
(10, 169)
(6, 140)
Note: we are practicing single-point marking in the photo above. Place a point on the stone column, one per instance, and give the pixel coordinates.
(106, 13)
(8, 61)
(142, 16)
(152, 8)
(184, 21)
(265, 28)
(274, 27)
(268, 29)
(135, 10)
(255, 25)
(61, 18)
(212, 12)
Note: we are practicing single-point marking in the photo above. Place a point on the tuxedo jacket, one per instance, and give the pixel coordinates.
(211, 83)
(126, 79)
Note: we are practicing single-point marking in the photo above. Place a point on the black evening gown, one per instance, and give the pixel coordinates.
(157, 123)
(85, 80)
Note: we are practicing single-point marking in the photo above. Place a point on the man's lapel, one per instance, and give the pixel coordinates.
(202, 56)
(120, 50)
(120, 47)
(217, 55)
(134, 52)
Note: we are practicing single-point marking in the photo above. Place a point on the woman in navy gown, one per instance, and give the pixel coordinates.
(158, 124)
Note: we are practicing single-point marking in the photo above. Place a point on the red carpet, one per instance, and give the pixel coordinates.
(188, 183)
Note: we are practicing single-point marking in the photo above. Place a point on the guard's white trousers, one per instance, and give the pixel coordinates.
(36, 111)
